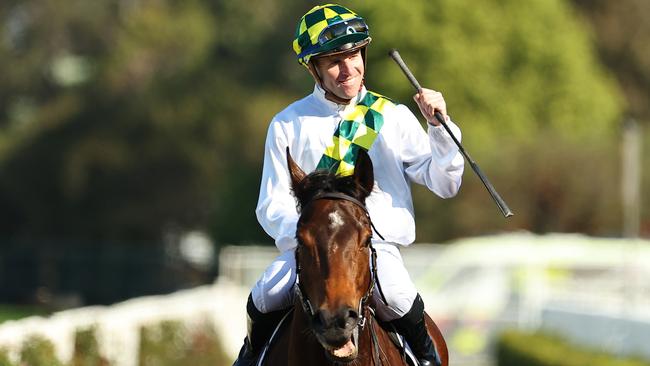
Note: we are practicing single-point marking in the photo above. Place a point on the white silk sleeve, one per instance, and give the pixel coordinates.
(276, 206)
(431, 158)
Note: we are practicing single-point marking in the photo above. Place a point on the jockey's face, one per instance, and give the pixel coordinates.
(341, 74)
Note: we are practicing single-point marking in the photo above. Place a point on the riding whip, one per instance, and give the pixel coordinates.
(505, 210)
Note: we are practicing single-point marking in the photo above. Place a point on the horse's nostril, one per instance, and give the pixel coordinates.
(344, 318)
(353, 318)
(352, 314)
(349, 318)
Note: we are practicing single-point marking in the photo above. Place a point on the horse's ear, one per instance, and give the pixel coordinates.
(297, 174)
(363, 172)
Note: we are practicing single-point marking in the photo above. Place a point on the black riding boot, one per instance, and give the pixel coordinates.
(413, 328)
(260, 328)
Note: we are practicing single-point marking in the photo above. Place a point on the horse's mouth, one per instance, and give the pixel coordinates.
(344, 353)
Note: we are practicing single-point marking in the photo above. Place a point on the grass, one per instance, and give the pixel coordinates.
(13, 312)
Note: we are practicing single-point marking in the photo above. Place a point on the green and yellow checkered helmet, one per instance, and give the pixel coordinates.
(329, 28)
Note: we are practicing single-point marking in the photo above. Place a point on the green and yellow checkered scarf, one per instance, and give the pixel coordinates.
(357, 130)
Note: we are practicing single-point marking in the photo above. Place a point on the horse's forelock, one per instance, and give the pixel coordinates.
(323, 181)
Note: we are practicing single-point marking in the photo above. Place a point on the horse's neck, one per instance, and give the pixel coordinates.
(370, 340)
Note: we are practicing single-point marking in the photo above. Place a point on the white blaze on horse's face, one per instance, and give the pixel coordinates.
(336, 220)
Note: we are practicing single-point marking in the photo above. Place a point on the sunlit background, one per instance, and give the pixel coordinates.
(131, 145)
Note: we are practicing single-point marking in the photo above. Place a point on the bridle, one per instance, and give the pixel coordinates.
(304, 300)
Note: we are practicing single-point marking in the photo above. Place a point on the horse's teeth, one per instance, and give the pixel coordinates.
(345, 351)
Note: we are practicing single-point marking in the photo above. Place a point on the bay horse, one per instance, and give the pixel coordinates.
(333, 322)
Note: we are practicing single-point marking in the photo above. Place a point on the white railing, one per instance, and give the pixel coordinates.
(118, 326)
(472, 285)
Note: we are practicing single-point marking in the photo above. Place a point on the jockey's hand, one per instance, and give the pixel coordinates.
(429, 102)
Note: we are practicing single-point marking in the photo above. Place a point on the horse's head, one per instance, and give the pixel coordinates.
(333, 254)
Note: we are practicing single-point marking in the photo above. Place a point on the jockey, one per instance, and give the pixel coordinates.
(331, 42)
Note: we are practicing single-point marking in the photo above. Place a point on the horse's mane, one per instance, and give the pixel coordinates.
(324, 181)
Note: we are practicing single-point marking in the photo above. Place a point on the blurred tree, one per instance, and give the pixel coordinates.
(124, 119)
(536, 108)
(101, 138)
(622, 35)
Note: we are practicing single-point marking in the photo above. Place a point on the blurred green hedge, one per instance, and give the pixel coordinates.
(4, 358)
(167, 343)
(86, 349)
(38, 351)
(172, 343)
(516, 348)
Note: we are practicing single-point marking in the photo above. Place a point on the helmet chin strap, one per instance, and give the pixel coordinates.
(328, 94)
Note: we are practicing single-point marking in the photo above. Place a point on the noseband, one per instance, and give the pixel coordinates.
(306, 304)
